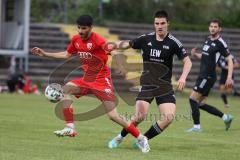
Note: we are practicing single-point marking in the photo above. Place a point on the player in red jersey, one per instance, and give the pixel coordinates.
(90, 48)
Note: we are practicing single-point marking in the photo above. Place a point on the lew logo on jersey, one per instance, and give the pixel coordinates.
(155, 53)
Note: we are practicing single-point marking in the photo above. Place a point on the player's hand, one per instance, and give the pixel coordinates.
(109, 47)
(229, 83)
(181, 84)
(38, 51)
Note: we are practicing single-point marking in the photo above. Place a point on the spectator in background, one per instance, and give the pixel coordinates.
(21, 83)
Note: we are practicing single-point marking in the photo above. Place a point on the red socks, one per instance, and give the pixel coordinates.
(133, 130)
(68, 114)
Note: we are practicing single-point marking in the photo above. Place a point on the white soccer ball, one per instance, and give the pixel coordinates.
(54, 92)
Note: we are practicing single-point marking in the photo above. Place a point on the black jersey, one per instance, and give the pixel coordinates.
(211, 52)
(158, 55)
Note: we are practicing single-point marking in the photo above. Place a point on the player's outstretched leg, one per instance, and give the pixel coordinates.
(115, 142)
(154, 130)
(67, 109)
(69, 130)
(129, 127)
(195, 115)
(216, 112)
(140, 115)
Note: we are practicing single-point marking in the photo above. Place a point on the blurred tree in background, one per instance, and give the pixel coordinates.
(186, 14)
(62, 11)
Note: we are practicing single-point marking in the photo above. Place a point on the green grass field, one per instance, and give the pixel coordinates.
(27, 124)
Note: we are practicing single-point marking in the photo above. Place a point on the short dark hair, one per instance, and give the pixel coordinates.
(215, 21)
(161, 14)
(85, 20)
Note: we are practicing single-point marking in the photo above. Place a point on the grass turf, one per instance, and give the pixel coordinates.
(27, 124)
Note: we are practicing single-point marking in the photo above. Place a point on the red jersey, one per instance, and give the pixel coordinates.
(92, 56)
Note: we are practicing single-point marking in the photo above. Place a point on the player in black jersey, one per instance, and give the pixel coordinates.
(223, 65)
(158, 49)
(212, 49)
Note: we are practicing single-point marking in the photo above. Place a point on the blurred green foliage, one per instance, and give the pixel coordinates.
(186, 14)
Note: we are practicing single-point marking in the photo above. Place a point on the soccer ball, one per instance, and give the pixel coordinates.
(54, 92)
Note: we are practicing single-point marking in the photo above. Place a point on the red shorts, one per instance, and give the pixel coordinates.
(101, 88)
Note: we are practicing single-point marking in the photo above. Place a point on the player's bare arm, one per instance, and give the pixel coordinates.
(109, 47)
(195, 53)
(123, 45)
(229, 81)
(116, 48)
(40, 52)
(187, 65)
(120, 63)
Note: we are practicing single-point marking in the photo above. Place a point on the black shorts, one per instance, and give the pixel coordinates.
(160, 99)
(204, 85)
(223, 77)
